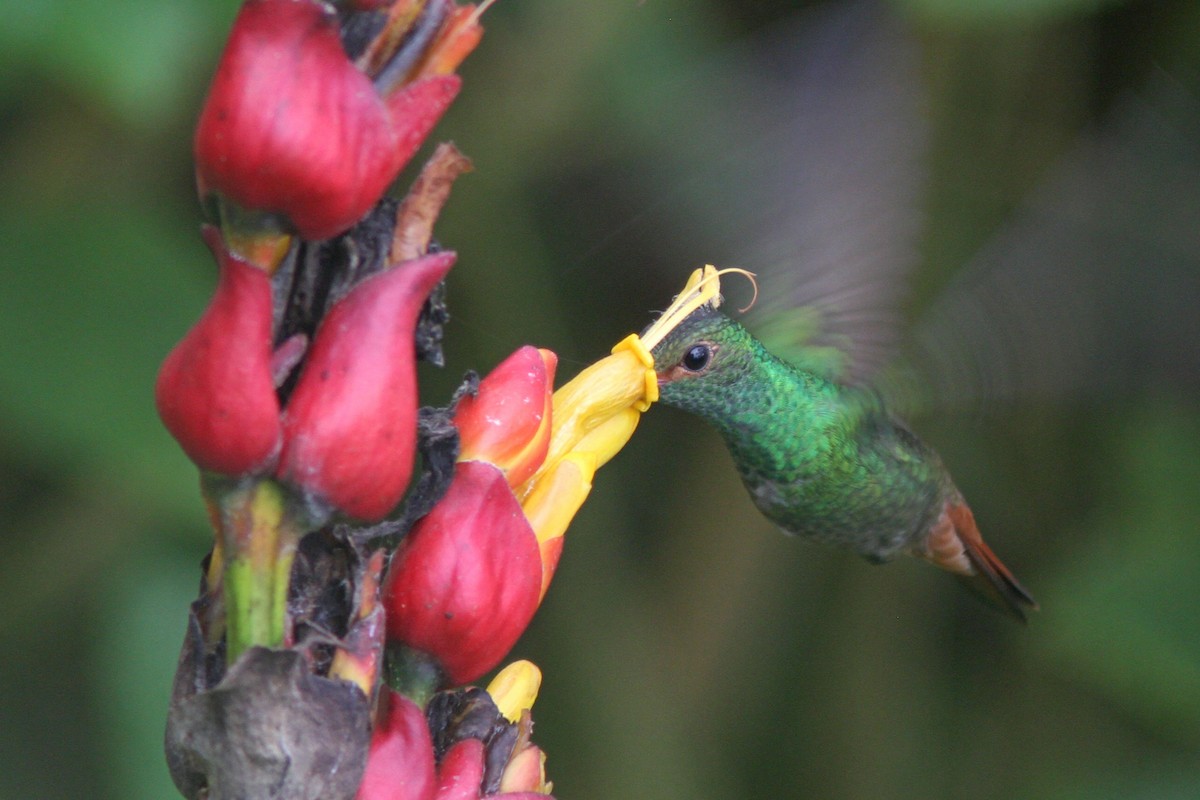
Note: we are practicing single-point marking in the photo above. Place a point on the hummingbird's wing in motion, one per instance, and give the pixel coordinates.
(808, 146)
(814, 139)
(816, 133)
(836, 219)
(1093, 285)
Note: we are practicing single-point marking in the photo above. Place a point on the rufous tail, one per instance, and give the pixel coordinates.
(954, 544)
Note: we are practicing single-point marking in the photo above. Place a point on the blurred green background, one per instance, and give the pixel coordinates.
(690, 651)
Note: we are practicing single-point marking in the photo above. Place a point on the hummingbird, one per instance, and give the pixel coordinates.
(810, 163)
(825, 460)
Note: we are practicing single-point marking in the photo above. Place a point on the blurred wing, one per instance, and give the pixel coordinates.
(813, 138)
(1094, 286)
(808, 143)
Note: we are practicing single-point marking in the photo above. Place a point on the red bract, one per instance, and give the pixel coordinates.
(461, 773)
(400, 761)
(524, 774)
(350, 425)
(214, 392)
(466, 581)
(291, 126)
(508, 422)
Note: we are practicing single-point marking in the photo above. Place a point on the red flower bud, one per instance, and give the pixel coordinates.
(466, 580)
(291, 126)
(461, 771)
(460, 774)
(508, 422)
(526, 772)
(350, 425)
(215, 392)
(400, 761)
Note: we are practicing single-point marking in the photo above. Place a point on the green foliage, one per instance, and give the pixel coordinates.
(984, 12)
(137, 57)
(1141, 652)
(82, 323)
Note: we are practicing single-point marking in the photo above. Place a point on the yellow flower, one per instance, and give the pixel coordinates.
(514, 689)
(594, 415)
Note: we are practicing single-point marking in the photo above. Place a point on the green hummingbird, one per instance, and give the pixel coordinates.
(821, 459)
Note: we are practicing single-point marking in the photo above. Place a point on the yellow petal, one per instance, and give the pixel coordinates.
(609, 388)
(633, 343)
(606, 439)
(514, 688)
(556, 496)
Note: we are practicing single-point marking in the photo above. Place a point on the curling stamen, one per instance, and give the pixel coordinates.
(703, 288)
(750, 276)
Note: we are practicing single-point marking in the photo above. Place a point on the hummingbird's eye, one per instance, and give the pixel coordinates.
(696, 358)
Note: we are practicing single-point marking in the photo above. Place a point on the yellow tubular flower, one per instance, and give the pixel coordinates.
(557, 495)
(594, 415)
(514, 689)
(621, 382)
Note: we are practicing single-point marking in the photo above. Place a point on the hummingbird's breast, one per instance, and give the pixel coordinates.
(847, 475)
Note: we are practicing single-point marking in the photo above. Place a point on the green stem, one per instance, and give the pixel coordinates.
(258, 540)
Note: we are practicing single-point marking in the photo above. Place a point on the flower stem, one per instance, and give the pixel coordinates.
(258, 544)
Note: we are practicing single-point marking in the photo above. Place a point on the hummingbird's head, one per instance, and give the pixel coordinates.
(701, 362)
